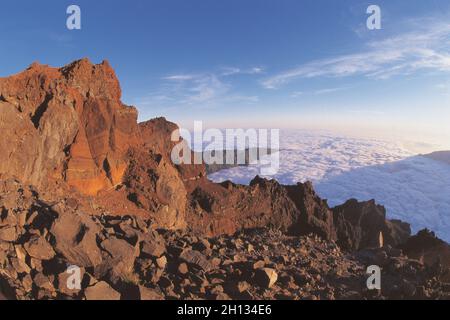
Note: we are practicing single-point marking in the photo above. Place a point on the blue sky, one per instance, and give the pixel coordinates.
(255, 63)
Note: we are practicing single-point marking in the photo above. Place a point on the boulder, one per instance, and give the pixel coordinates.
(39, 248)
(101, 291)
(76, 239)
(153, 248)
(121, 258)
(197, 259)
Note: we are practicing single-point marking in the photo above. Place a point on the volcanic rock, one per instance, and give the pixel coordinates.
(196, 259)
(149, 294)
(266, 277)
(8, 234)
(120, 260)
(152, 246)
(425, 246)
(101, 291)
(66, 123)
(76, 239)
(81, 183)
(39, 248)
(359, 225)
(183, 268)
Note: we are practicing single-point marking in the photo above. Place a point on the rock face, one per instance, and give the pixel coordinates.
(66, 124)
(360, 224)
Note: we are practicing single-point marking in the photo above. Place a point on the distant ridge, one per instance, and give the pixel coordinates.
(443, 156)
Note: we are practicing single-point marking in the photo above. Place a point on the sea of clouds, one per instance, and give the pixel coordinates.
(412, 187)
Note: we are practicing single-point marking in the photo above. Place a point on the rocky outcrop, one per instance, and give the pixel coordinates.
(66, 124)
(428, 248)
(362, 225)
(315, 215)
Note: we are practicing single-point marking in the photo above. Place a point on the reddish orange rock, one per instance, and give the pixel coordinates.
(66, 123)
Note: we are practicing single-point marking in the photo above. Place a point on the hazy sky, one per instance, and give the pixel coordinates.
(255, 63)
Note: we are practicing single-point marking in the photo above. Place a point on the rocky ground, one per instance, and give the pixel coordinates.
(127, 258)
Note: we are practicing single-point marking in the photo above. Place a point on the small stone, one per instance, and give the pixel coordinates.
(216, 262)
(217, 289)
(183, 268)
(27, 283)
(266, 277)
(20, 253)
(161, 262)
(242, 286)
(259, 264)
(36, 264)
(165, 282)
(222, 297)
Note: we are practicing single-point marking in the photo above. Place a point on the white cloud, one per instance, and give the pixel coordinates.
(318, 92)
(179, 77)
(199, 90)
(428, 47)
(230, 71)
(256, 70)
(205, 88)
(328, 90)
(297, 94)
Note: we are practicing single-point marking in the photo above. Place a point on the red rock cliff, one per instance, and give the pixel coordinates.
(66, 124)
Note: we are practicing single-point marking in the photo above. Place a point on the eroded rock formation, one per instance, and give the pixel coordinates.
(66, 124)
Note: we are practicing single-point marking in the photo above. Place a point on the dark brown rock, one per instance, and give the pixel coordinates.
(196, 259)
(425, 246)
(76, 239)
(359, 225)
(266, 277)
